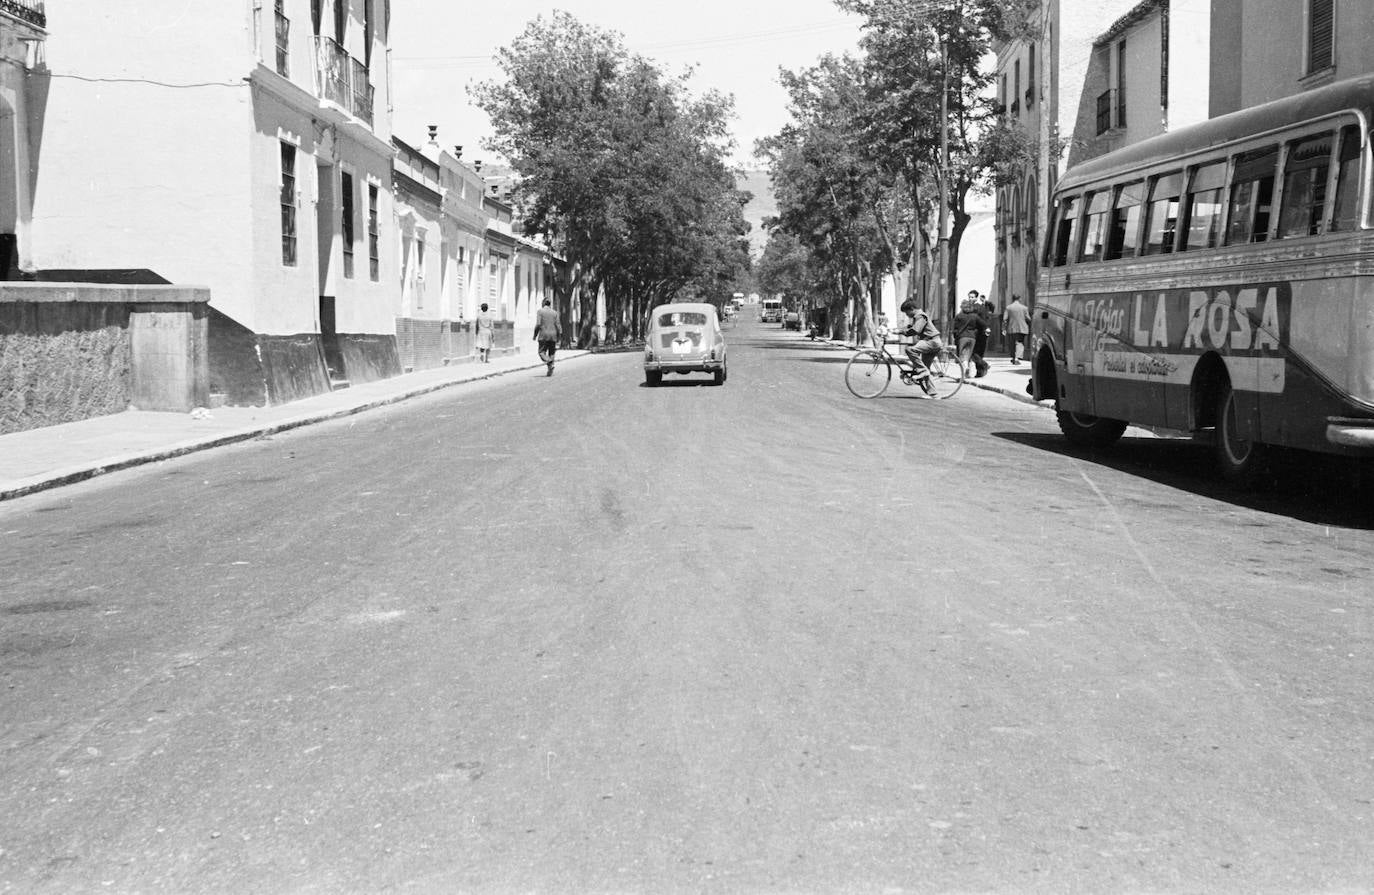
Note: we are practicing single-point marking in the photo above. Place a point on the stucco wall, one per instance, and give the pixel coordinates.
(71, 352)
(1258, 49)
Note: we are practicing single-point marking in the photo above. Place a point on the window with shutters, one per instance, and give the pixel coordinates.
(1321, 35)
(346, 221)
(373, 234)
(287, 184)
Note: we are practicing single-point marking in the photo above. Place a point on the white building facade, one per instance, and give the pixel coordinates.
(245, 147)
(22, 33)
(1078, 90)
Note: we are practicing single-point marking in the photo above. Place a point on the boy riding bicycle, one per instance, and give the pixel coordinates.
(927, 343)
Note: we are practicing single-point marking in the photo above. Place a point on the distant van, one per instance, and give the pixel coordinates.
(772, 310)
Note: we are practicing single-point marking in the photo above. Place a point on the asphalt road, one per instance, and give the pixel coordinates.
(580, 635)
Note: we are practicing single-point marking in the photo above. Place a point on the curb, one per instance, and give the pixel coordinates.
(74, 474)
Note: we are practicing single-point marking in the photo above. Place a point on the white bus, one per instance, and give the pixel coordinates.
(1219, 280)
(772, 310)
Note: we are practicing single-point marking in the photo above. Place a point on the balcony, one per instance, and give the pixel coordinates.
(342, 80)
(30, 11)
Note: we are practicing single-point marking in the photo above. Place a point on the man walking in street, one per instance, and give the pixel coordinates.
(548, 329)
(1016, 325)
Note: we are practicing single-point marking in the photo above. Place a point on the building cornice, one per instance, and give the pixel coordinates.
(299, 98)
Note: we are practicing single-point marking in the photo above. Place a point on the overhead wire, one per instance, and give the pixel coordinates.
(674, 46)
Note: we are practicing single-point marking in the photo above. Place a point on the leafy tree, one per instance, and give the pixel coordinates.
(618, 164)
(916, 52)
(784, 269)
(830, 195)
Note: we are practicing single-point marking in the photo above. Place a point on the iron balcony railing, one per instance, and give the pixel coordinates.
(30, 11)
(342, 80)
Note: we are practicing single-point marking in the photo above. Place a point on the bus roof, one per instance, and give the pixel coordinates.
(1353, 95)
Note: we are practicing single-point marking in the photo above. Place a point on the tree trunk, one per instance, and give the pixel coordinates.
(958, 224)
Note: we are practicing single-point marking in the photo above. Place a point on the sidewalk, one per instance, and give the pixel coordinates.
(1007, 378)
(37, 459)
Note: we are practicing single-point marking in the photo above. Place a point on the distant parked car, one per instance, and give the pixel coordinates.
(684, 338)
(791, 320)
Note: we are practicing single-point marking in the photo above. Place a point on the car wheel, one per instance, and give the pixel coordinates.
(720, 376)
(653, 377)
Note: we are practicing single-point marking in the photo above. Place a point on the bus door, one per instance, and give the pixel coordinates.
(1062, 318)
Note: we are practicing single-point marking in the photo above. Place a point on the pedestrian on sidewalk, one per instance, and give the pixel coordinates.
(484, 328)
(985, 310)
(548, 329)
(980, 332)
(1016, 326)
(967, 323)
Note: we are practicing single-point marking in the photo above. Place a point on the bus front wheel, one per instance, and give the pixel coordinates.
(1242, 461)
(1089, 431)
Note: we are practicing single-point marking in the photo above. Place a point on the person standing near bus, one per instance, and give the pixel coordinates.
(986, 311)
(967, 324)
(1016, 326)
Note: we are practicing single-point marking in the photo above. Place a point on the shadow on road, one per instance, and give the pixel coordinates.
(680, 383)
(1315, 488)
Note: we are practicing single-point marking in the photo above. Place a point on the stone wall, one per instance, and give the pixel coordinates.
(71, 352)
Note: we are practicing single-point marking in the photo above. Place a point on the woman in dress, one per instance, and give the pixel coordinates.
(483, 329)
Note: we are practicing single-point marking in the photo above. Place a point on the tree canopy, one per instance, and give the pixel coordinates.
(619, 165)
(914, 112)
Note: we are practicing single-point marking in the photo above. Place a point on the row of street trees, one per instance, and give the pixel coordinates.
(873, 174)
(621, 168)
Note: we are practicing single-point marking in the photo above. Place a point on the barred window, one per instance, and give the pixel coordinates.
(373, 236)
(288, 204)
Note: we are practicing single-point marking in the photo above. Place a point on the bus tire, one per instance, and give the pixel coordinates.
(1089, 431)
(1240, 461)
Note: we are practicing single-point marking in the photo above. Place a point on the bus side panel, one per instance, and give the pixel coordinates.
(1070, 343)
(1329, 337)
(1126, 373)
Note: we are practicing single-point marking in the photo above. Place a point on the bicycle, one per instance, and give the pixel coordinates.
(869, 371)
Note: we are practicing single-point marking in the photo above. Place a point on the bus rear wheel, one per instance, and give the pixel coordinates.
(1241, 461)
(1089, 431)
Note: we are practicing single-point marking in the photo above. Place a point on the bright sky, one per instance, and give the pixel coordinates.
(736, 46)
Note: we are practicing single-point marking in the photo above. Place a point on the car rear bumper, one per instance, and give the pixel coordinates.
(693, 365)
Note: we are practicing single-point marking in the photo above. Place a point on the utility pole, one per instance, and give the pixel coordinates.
(942, 244)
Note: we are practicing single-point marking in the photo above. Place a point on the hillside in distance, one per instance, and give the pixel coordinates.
(758, 208)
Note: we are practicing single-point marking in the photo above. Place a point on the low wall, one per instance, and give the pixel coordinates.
(74, 351)
(426, 344)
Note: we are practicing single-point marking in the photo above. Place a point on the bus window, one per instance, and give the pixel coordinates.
(1125, 224)
(1204, 206)
(1162, 224)
(1347, 209)
(1066, 230)
(1304, 187)
(1252, 196)
(1095, 226)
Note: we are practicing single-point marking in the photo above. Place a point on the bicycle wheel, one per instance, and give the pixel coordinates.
(946, 374)
(868, 373)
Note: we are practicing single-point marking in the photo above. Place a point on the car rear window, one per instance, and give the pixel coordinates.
(682, 318)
